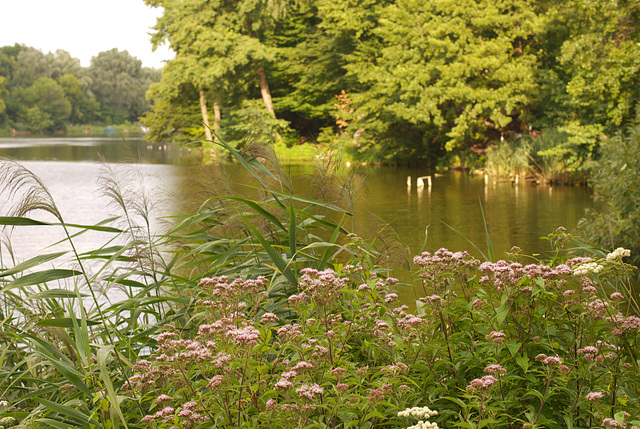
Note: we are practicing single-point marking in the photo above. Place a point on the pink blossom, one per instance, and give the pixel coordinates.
(390, 297)
(594, 396)
(268, 318)
(283, 383)
(552, 360)
(609, 422)
(495, 369)
(245, 336)
(163, 398)
(271, 405)
(302, 365)
(627, 324)
(215, 382)
(483, 383)
(309, 391)
(288, 375)
(617, 296)
(497, 337)
(477, 304)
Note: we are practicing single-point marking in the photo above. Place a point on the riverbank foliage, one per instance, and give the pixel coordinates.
(407, 81)
(270, 311)
(45, 93)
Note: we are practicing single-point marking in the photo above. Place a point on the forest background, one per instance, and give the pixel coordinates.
(51, 93)
(393, 81)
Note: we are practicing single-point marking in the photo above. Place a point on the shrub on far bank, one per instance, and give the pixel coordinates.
(616, 183)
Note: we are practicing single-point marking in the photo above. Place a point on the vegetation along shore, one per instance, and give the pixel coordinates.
(279, 310)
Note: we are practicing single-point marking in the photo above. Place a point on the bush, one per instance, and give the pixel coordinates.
(616, 183)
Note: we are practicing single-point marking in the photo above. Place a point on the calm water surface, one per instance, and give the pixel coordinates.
(515, 215)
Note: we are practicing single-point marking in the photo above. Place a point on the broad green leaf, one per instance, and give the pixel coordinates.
(523, 362)
(38, 260)
(59, 425)
(41, 277)
(514, 347)
(501, 313)
(56, 294)
(72, 413)
(64, 322)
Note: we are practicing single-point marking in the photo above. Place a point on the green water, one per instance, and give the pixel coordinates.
(515, 215)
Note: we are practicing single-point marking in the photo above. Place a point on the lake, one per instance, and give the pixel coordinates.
(515, 214)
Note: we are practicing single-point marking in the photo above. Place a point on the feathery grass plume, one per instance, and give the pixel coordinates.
(325, 177)
(125, 189)
(390, 252)
(23, 185)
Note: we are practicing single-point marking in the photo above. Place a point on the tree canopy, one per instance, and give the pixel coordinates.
(403, 80)
(43, 93)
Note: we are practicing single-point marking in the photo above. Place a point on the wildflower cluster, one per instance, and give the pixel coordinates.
(483, 337)
(421, 414)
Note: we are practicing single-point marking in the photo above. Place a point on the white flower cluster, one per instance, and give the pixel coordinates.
(424, 425)
(418, 413)
(619, 253)
(588, 268)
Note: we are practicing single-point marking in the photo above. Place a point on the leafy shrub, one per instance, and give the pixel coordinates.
(615, 179)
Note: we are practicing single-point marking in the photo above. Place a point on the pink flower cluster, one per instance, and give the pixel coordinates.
(495, 369)
(625, 325)
(497, 337)
(310, 391)
(323, 287)
(480, 384)
(594, 396)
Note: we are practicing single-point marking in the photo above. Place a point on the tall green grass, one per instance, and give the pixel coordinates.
(67, 347)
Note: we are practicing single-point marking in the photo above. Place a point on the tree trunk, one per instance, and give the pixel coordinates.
(216, 119)
(266, 94)
(205, 117)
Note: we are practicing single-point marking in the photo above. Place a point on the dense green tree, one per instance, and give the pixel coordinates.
(460, 73)
(84, 109)
(44, 107)
(65, 64)
(602, 63)
(32, 64)
(3, 94)
(119, 83)
(220, 49)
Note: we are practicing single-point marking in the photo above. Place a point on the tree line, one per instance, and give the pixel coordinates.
(400, 80)
(44, 93)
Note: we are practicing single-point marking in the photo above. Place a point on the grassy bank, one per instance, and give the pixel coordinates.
(272, 312)
(121, 130)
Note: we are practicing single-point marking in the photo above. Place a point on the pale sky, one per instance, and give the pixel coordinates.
(83, 27)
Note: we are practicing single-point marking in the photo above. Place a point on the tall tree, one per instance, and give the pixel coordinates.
(119, 82)
(44, 106)
(218, 45)
(460, 72)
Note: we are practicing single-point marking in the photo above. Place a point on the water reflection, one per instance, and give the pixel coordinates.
(109, 149)
(515, 215)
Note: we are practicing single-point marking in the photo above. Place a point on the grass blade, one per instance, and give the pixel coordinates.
(41, 277)
(35, 261)
(486, 232)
